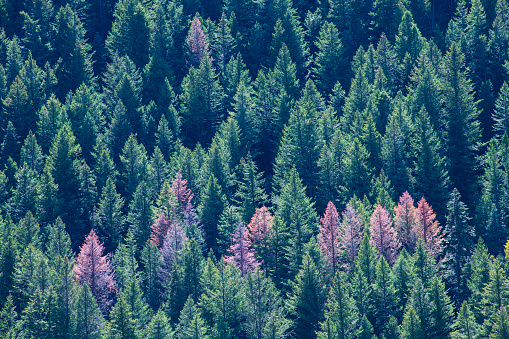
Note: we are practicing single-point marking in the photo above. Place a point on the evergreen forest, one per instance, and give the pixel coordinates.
(254, 169)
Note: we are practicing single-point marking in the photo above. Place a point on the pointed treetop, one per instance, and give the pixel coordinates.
(196, 43)
(329, 235)
(242, 252)
(428, 228)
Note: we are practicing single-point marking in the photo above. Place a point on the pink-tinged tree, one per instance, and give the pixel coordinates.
(196, 43)
(241, 251)
(183, 195)
(428, 228)
(351, 234)
(383, 235)
(95, 269)
(260, 225)
(329, 237)
(173, 242)
(159, 230)
(405, 221)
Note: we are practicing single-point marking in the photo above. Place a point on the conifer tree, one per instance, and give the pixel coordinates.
(306, 300)
(405, 221)
(463, 130)
(351, 229)
(31, 153)
(241, 252)
(365, 261)
(428, 228)
(210, 208)
(341, 313)
(384, 294)
(223, 299)
(423, 264)
(250, 191)
(110, 220)
(151, 260)
(130, 32)
(191, 325)
(24, 194)
(465, 324)
(429, 169)
(264, 306)
(501, 112)
(356, 173)
(95, 270)
(196, 44)
(460, 240)
(87, 321)
(441, 309)
(366, 329)
(383, 236)
(141, 215)
(411, 327)
(125, 261)
(496, 292)
(121, 324)
(403, 280)
(329, 236)
(296, 211)
(479, 278)
(329, 59)
(420, 301)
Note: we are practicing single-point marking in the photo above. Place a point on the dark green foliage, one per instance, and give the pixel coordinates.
(411, 326)
(212, 204)
(307, 300)
(88, 321)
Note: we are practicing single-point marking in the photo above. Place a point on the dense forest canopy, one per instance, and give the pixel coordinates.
(254, 169)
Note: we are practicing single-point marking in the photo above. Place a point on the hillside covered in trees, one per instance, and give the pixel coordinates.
(254, 169)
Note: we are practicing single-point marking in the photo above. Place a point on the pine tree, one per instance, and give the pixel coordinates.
(329, 59)
(463, 131)
(88, 321)
(264, 306)
(121, 324)
(130, 32)
(210, 208)
(24, 194)
(384, 294)
(465, 324)
(405, 221)
(223, 299)
(428, 228)
(31, 153)
(366, 329)
(141, 215)
(191, 325)
(423, 264)
(403, 280)
(479, 278)
(306, 300)
(8, 315)
(95, 270)
(501, 113)
(365, 261)
(151, 260)
(441, 309)
(250, 192)
(411, 326)
(460, 240)
(159, 327)
(341, 313)
(296, 211)
(420, 301)
(329, 236)
(351, 229)
(134, 166)
(356, 173)
(383, 236)
(242, 254)
(196, 44)
(110, 220)
(496, 292)
(429, 169)
(135, 298)
(500, 328)
(125, 261)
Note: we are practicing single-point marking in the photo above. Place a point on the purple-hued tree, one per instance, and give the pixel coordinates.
(329, 235)
(241, 251)
(95, 269)
(174, 241)
(383, 235)
(405, 221)
(351, 234)
(428, 228)
(196, 43)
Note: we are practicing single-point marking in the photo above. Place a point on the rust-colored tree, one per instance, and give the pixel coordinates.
(183, 195)
(95, 269)
(329, 236)
(405, 221)
(351, 234)
(383, 235)
(159, 230)
(428, 228)
(241, 251)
